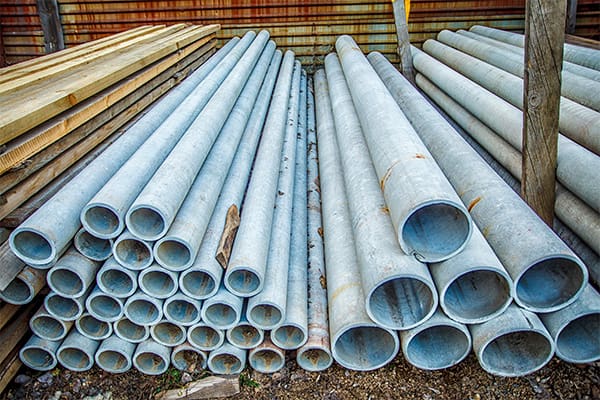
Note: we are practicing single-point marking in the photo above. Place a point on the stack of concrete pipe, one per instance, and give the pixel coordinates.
(366, 226)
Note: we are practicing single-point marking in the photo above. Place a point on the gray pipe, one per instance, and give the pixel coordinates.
(92, 247)
(77, 352)
(227, 360)
(39, 354)
(64, 308)
(115, 355)
(73, 274)
(399, 291)
(573, 86)
(356, 341)
(575, 328)
(132, 252)
(104, 214)
(91, 327)
(438, 343)
(204, 337)
(547, 275)
(41, 238)
(178, 249)
(315, 355)
(48, 327)
(266, 358)
(154, 210)
(244, 335)
(158, 282)
(515, 343)
(430, 221)
(25, 286)
(267, 309)
(186, 357)
(246, 270)
(202, 280)
(223, 310)
(182, 310)
(168, 333)
(142, 309)
(117, 280)
(103, 306)
(131, 332)
(152, 358)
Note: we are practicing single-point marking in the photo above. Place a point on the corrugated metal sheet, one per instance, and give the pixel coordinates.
(309, 27)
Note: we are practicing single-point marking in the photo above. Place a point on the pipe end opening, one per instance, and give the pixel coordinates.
(168, 334)
(288, 337)
(38, 358)
(365, 348)
(243, 282)
(159, 284)
(65, 282)
(113, 361)
(62, 307)
(146, 223)
(245, 336)
(314, 359)
(150, 363)
(104, 307)
(102, 221)
(17, 292)
(32, 247)
(92, 327)
(221, 315)
(205, 337)
(578, 341)
(92, 247)
(266, 316)
(130, 331)
(173, 255)
(142, 312)
(47, 327)
(226, 364)
(117, 283)
(266, 361)
(182, 311)
(189, 360)
(74, 359)
(133, 254)
(198, 284)
(438, 347)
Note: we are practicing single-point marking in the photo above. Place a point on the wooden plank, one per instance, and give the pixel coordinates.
(10, 264)
(232, 223)
(2, 55)
(544, 38)
(206, 388)
(571, 16)
(584, 42)
(7, 311)
(16, 175)
(15, 331)
(400, 20)
(51, 25)
(9, 369)
(36, 106)
(41, 137)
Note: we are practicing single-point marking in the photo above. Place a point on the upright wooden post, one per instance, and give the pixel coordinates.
(51, 25)
(403, 40)
(544, 39)
(571, 16)
(2, 52)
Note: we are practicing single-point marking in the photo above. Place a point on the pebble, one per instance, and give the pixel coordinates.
(99, 396)
(76, 386)
(55, 396)
(22, 379)
(47, 378)
(186, 378)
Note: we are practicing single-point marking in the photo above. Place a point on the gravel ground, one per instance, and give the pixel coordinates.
(398, 380)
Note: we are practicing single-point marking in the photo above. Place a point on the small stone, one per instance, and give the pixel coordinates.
(46, 379)
(276, 376)
(186, 378)
(56, 395)
(76, 386)
(22, 379)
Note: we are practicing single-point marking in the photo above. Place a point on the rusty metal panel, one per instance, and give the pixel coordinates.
(21, 30)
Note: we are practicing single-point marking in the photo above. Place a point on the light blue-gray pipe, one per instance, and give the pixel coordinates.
(227, 360)
(103, 306)
(39, 354)
(205, 337)
(26, 285)
(168, 333)
(91, 327)
(266, 358)
(158, 282)
(65, 308)
(94, 248)
(116, 280)
(223, 310)
(186, 357)
(48, 327)
(73, 274)
(77, 352)
(182, 309)
(244, 335)
(142, 309)
(129, 331)
(132, 252)
(152, 358)
(115, 355)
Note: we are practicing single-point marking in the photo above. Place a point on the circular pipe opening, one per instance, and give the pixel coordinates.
(438, 347)
(133, 254)
(38, 358)
(105, 308)
(32, 247)
(173, 254)
(578, 341)
(74, 359)
(130, 331)
(243, 282)
(113, 361)
(205, 337)
(168, 334)
(146, 223)
(182, 311)
(89, 326)
(63, 308)
(115, 282)
(365, 348)
(102, 221)
(245, 336)
(226, 364)
(158, 284)
(288, 337)
(66, 282)
(47, 327)
(92, 247)
(266, 361)
(313, 359)
(17, 292)
(266, 316)
(150, 363)
(188, 360)
(221, 315)
(197, 284)
(142, 312)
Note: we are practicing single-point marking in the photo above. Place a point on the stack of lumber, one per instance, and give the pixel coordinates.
(60, 111)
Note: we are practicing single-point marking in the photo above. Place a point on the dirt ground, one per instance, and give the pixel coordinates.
(398, 380)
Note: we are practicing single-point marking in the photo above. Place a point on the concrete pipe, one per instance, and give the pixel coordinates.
(438, 343)
(131, 332)
(116, 280)
(187, 358)
(91, 327)
(92, 247)
(178, 249)
(39, 354)
(575, 328)
(223, 310)
(132, 252)
(48, 327)
(267, 309)
(244, 335)
(152, 358)
(64, 308)
(25, 286)
(168, 334)
(246, 270)
(158, 282)
(431, 222)
(266, 358)
(142, 309)
(399, 291)
(547, 275)
(73, 274)
(183, 310)
(205, 337)
(357, 342)
(202, 280)
(77, 352)
(46, 233)
(115, 355)
(103, 306)
(515, 343)
(227, 360)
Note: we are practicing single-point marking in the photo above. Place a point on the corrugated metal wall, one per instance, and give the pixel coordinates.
(309, 27)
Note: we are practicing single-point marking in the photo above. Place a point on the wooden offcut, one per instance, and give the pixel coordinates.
(11, 265)
(400, 19)
(232, 223)
(206, 388)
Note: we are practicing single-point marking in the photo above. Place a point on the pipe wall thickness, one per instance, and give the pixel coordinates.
(39, 354)
(115, 355)
(77, 352)
(73, 274)
(227, 360)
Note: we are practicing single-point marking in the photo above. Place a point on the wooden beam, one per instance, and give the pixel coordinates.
(11, 265)
(206, 388)
(51, 25)
(544, 39)
(2, 52)
(400, 20)
(571, 16)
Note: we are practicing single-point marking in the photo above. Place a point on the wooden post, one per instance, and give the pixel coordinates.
(51, 25)
(571, 16)
(544, 39)
(2, 52)
(403, 40)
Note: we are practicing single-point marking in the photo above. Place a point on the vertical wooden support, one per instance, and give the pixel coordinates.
(403, 40)
(2, 52)
(51, 25)
(544, 39)
(571, 16)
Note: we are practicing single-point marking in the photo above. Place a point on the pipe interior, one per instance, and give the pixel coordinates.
(32, 245)
(204, 336)
(266, 315)
(221, 314)
(117, 283)
(133, 253)
(550, 283)
(189, 360)
(158, 283)
(516, 353)
(142, 312)
(93, 327)
(182, 311)
(198, 284)
(66, 282)
(476, 295)
(74, 359)
(365, 347)
(38, 358)
(289, 336)
(438, 347)
(226, 364)
(313, 359)
(113, 361)
(62, 307)
(151, 363)
(146, 223)
(243, 281)
(579, 340)
(245, 336)
(168, 334)
(102, 220)
(401, 302)
(267, 360)
(47, 327)
(105, 307)
(17, 291)
(173, 254)
(131, 331)
(93, 247)
(434, 231)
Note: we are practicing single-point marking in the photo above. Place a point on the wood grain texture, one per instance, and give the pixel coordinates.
(10, 265)
(403, 40)
(232, 223)
(206, 388)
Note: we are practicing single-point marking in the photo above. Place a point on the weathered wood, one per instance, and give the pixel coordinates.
(9, 368)
(40, 137)
(15, 331)
(400, 19)
(2, 54)
(10, 265)
(51, 25)
(206, 388)
(544, 38)
(232, 223)
(571, 16)
(584, 42)
(4, 234)
(7, 311)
